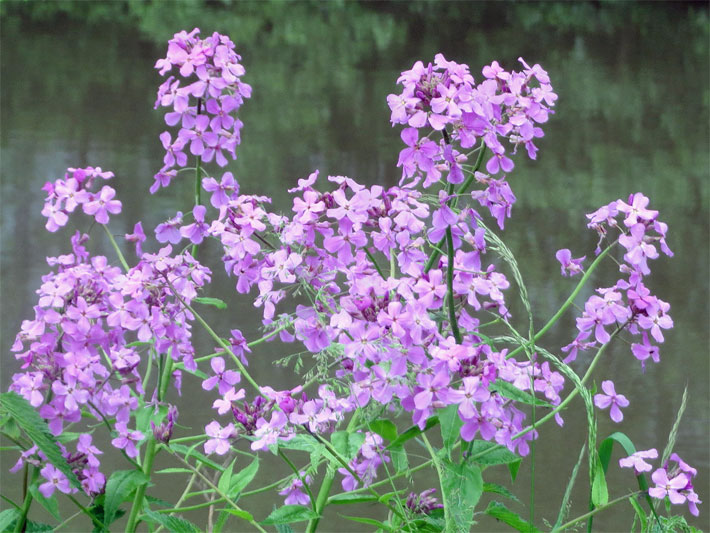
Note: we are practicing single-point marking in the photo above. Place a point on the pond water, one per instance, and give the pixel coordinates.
(632, 116)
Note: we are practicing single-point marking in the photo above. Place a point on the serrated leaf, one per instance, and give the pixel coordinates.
(490, 453)
(157, 501)
(350, 498)
(414, 431)
(347, 444)
(369, 521)
(289, 514)
(501, 512)
(451, 423)
(214, 302)
(118, 487)
(499, 489)
(37, 430)
(510, 391)
(462, 486)
(384, 428)
(283, 528)
(8, 517)
(172, 523)
(48, 503)
(303, 443)
(9, 427)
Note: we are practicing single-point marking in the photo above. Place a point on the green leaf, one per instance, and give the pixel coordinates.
(350, 497)
(48, 503)
(173, 471)
(502, 513)
(226, 478)
(289, 514)
(9, 427)
(510, 391)
(450, 426)
(7, 517)
(214, 302)
(499, 489)
(118, 487)
(283, 528)
(303, 443)
(384, 428)
(513, 469)
(146, 414)
(639, 513)
(172, 523)
(413, 431)
(241, 479)
(241, 514)
(600, 493)
(399, 458)
(490, 453)
(462, 486)
(38, 432)
(369, 521)
(347, 444)
(191, 452)
(156, 501)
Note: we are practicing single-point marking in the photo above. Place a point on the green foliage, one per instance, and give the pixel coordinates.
(347, 444)
(450, 425)
(172, 523)
(27, 418)
(502, 513)
(462, 486)
(214, 302)
(119, 488)
(289, 514)
(233, 484)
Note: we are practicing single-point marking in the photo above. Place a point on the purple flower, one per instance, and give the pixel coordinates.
(224, 379)
(55, 480)
(220, 436)
(102, 205)
(569, 266)
(668, 487)
(611, 399)
(127, 439)
(294, 493)
(636, 460)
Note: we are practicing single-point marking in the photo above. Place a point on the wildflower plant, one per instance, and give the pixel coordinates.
(400, 296)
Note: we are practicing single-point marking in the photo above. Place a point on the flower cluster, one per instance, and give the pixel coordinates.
(629, 304)
(673, 481)
(203, 97)
(65, 195)
(92, 325)
(445, 97)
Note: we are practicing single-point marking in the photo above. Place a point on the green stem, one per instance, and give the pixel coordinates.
(568, 301)
(298, 473)
(450, 286)
(20, 525)
(214, 487)
(374, 263)
(325, 486)
(436, 252)
(121, 259)
(585, 516)
(88, 513)
(198, 180)
(137, 506)
(437, 465)
(216, 338)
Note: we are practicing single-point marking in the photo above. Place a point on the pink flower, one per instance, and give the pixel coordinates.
(611, 399)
